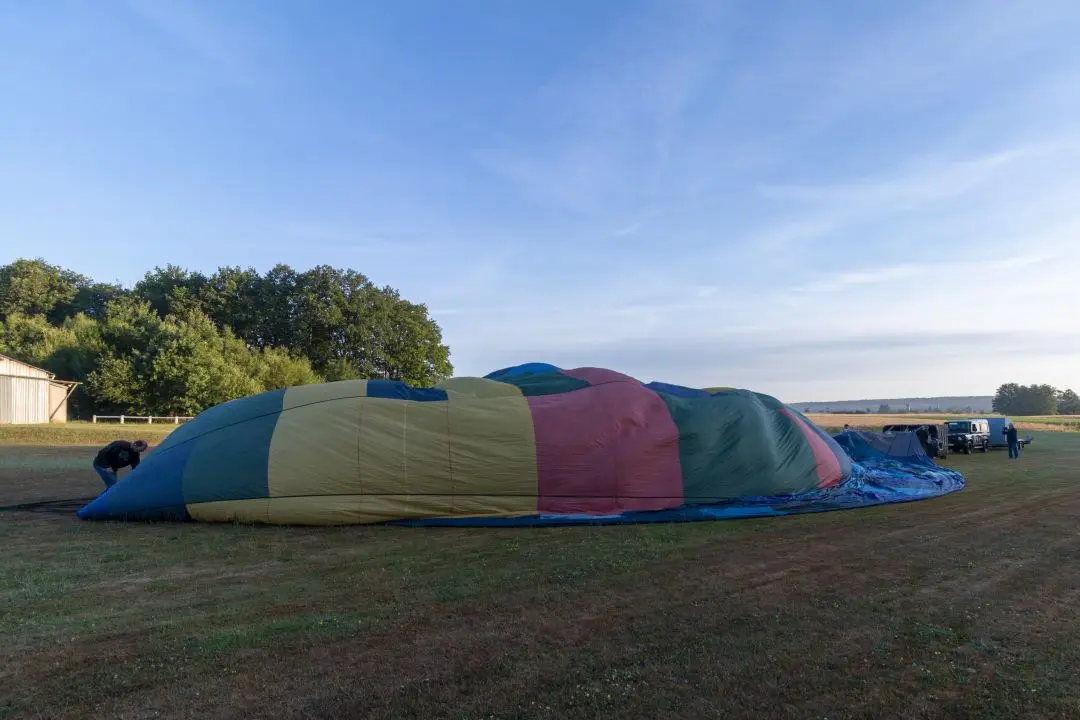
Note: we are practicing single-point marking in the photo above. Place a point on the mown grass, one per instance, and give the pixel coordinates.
(82, 433)
(963, 606)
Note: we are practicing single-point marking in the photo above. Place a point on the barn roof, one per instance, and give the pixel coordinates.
(39, 372)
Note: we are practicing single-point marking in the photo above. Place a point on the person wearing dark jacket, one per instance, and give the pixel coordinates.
(117, 454)
(1013, 440)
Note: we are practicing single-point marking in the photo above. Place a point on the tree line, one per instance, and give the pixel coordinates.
(179, 341)
(1015, 399)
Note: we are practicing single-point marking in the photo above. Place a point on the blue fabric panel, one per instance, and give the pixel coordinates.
(875, 482)
(677, 390)
(546, 384)
(225, 414)
(152, 491)
(231, 463)
(525, 369)
(397, 390)
(857, 448)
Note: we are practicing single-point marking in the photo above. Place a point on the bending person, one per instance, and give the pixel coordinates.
(117, 454)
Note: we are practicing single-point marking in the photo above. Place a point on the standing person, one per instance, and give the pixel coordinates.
(1013, 440)
(117, 454)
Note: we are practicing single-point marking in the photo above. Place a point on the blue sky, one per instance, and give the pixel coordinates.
(815, 200)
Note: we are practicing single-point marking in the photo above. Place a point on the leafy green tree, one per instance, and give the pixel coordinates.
(1026, 400)
(278, 368)
(278, 300)
(36, 288)
(71, 351)
(181, 341)
(182, 363)
(1005, 399)
(233, 297)
(132, 334)
(171, 289)
(29, 338)
(91, 299)
(197, 366)
(1068, 403)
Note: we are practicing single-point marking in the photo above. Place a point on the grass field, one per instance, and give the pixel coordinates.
(82, 433)
(965, 606)
(1048, 423)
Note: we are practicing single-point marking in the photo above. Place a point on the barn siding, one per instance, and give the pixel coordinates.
(8, 366)
(58, 402)
(24, 393)
(24, 400)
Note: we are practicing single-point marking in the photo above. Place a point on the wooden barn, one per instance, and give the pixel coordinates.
(30, 395)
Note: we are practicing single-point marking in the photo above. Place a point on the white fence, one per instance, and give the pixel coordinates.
(174, 419)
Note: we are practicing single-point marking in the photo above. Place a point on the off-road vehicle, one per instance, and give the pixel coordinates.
(966, 436)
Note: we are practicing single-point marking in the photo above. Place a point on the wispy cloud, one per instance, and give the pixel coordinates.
(923, 273)
(612, 127)
(929, 182)
(192, 24)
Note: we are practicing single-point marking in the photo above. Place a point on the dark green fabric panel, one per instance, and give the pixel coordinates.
(733, 445)
(546, 384)
(231, 463)
(228, 413)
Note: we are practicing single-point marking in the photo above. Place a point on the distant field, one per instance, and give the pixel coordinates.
(82, 433)
(1052, 423)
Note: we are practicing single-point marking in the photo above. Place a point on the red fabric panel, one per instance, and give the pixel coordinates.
(828, 466)
(606, 449)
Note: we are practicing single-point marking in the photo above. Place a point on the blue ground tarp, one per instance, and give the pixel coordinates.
(874, 481)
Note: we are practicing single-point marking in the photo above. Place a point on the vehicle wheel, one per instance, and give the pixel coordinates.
(985, 447)
(967, 449)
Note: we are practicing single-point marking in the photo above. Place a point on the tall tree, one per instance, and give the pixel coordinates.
(37, 288)
(91, 299)
(349, 327)
(1026, 400)
(233, 298)
(180, 341)
(278, 303)
(182, 363)
(1068, 403)
(1005, 398)
(171, 289)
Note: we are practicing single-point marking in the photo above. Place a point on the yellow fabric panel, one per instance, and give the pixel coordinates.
(320, 392)
(479, 387)
(314, 449)
(357, 509)
(493, 506)
(342, 509)
(243, 511)
(493, 454)
(404, 448)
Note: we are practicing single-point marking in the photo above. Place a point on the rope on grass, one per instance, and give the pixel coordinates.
(54, 506)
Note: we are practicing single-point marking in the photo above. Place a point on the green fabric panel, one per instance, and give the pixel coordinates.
(228, 413)
(231, 463)
(546, 384)
(734, 445)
